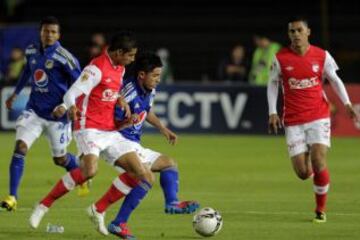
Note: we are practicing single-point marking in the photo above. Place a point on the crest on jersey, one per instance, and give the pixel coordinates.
(109, 95)
(33, 61)
(139, 120)
(315, 67)
(84, 77)
(49, 64)
(40, 78)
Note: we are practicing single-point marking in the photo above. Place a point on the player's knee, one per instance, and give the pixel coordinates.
(303, 175)
(89, 171)
(171, 162)
(59, 161)
(150, 177)
(21, 147)
(319, 166)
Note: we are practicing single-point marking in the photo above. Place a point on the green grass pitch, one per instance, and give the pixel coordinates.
(248, 179)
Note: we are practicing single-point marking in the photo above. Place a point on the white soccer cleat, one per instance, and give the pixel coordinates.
(98, 219)
(37, 215)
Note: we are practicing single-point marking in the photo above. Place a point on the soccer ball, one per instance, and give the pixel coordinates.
(207, 222)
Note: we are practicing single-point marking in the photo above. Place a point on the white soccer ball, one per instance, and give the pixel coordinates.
(207, 222)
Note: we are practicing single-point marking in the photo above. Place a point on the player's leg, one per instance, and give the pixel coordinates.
(318, 137)
(118, 226)
(123, 154)
(302, 165)
(59, 136)
(169, 181)
(28, 129)
(298, 151)
(86, 142)
(321, 180)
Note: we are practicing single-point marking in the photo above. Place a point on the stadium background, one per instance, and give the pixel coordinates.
(247, 177)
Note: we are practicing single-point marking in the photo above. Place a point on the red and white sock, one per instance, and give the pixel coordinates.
(120, 187)
(321, 187)
(63, 186)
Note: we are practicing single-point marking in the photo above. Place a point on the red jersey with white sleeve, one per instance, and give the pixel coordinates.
(302, 78)
(96, 92)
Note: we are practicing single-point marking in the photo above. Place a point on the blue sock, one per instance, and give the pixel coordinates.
(71, 162)
(131, 201)
(16, 171)
(169, 181)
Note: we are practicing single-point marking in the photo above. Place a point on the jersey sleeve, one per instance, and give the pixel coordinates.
(88, 79)
(273, 86)
(24, 78)
(73, 69)
(330, 68)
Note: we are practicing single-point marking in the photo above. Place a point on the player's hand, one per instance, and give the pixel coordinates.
(274, 123)
(169, 135)
(9, 102)
(59, 111)
(74, 113)
(352, 113)
(124, 106)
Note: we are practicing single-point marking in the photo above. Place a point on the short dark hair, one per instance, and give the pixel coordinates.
(299, 19)
(124, 40)
(147, 62)
(50, 20)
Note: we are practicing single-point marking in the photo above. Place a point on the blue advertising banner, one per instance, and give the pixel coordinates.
(189, 108)
(213, 108)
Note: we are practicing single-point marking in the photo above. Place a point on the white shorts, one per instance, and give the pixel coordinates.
(299, 137)
(147, 156)
(29, 127)
(93, 141)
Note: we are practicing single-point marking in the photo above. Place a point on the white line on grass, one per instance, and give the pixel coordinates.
(239, 212)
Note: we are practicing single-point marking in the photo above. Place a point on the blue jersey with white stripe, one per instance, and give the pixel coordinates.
(51, 71)
(140, 102)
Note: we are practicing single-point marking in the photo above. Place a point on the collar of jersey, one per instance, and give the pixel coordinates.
(51, 48)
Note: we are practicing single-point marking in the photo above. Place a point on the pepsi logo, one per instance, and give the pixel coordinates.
(139, 120)
(40, 78)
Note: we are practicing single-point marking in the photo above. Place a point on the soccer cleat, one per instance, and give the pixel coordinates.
(9, 203)
(320, 217)
(37, 214)
(121, 231)
(98, 219)
(84, 189)
(184, 207)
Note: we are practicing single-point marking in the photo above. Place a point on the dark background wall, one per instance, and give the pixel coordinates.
(199, 33)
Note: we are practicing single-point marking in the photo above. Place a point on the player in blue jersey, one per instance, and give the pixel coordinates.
(139, 92)
(50, 69)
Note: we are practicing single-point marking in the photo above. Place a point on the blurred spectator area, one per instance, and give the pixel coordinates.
(197, 33)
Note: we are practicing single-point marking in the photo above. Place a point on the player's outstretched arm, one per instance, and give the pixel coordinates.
(155, 121)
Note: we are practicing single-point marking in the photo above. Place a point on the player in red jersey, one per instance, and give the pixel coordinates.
(96, 94)
(301, 69)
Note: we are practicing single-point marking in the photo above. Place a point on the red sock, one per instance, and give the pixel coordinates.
(120, 187)
(321, 187)
(63, 186)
